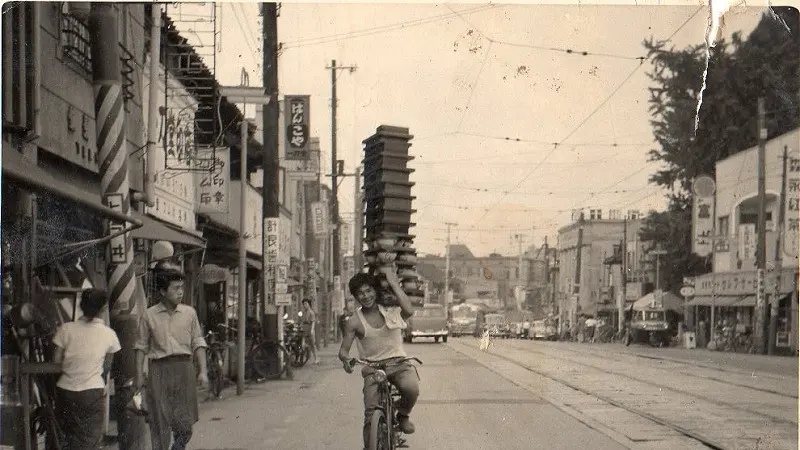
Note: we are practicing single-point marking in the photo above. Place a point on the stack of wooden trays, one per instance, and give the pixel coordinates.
(388, 208)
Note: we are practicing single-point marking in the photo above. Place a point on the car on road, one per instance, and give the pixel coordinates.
(430, 321)
(496, 325)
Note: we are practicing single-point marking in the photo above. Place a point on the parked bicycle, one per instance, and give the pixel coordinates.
(384, 432)
(264, 360)
(215, 362)
(293, 341)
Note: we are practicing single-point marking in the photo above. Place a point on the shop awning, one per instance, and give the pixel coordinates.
(745, 301)
(155, 230)
(254, 263)
(33, 177)
(719, 301)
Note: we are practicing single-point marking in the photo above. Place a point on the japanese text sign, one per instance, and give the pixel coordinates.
(212, 180)
(296, 112)
(792, 205)
(271, 235)
(319, 218)
(703, 215)
(117, 247)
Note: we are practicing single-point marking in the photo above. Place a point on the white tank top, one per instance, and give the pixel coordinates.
(379, 343)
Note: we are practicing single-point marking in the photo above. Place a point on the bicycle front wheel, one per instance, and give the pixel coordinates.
(379, 433)
(265, 362)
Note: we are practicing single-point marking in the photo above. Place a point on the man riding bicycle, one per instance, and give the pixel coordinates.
(377, 329)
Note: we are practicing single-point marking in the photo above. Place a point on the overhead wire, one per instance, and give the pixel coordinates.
(377, 30)
(587, 118)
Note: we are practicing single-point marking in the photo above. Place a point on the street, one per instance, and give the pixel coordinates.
(524, 395)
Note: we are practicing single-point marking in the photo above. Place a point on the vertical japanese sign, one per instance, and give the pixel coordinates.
(118, 249)
(296, 112)
(792, 205)
(703, 189)
(344, 236)
(212, 180)
(283, 298)
(311, 279)
(747, 241)
(271, 251)
(319, 216)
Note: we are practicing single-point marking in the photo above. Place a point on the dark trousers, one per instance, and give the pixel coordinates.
(171, 401)
(81, 416)
(405, 378)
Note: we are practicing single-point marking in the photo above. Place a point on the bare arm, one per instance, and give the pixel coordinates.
(406, 309)
(58, 355)
(347, 339)
(139, 380)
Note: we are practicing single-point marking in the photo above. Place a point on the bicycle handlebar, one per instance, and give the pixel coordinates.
(384, 363)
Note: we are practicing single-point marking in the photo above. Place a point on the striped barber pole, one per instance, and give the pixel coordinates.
(114, 181)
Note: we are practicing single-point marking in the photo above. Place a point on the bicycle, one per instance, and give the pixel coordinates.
(384, 433)
(215, 360)
(263, 358)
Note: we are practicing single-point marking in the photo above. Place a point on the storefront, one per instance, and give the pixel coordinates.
(54, 246)
(729, 298)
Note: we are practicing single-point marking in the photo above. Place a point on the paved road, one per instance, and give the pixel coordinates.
(463, 405)
(653, 402)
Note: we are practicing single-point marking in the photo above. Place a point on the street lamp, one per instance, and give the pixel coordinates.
(245, 95)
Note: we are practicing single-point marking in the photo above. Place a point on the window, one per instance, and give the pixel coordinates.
(75, 40)
(752, 218)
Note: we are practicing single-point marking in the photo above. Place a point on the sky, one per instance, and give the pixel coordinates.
(514, 127)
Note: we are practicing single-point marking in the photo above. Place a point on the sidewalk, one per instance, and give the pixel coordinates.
(319, 408)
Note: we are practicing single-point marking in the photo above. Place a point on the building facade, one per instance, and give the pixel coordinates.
(730, 290)
(587, 284)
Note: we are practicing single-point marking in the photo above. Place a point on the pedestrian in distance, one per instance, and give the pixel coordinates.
(85, 349)
(169, 336)
(309, 324)
(377, 330)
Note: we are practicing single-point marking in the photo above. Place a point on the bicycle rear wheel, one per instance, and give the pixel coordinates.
(379, 433)
(215, 379)
(265, 362)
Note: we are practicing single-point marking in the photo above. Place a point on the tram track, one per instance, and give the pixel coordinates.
(672, 361)
(660, 418)
(689, 364)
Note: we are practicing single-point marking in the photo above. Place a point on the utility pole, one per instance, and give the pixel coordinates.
(577, 285)
(658, 252)
(518, 290)
(447, 263)
(624, 275)
(358, 220)
(334, 169)
(270, 202)
(773, 310)
(761, 248)
(547, 275)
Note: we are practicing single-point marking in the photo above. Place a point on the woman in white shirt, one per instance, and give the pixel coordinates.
(85, 349)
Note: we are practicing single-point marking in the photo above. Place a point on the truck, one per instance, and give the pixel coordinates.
(429, 321)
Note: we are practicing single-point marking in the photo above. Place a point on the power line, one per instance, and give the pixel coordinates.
(377, 30)
(537, 141)
(568, 51)
(542, 192)
(585, 120)
(474, 84)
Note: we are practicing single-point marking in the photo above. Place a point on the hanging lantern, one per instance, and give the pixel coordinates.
(161, 250)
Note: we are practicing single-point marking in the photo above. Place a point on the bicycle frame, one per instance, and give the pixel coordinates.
(388, 395)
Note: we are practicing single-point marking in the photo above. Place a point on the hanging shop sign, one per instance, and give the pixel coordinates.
(212, 180)
(296, 113)
(703, 189)
(319, 218)
(791, 234)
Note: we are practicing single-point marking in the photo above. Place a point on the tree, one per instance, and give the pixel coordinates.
(765, 65)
